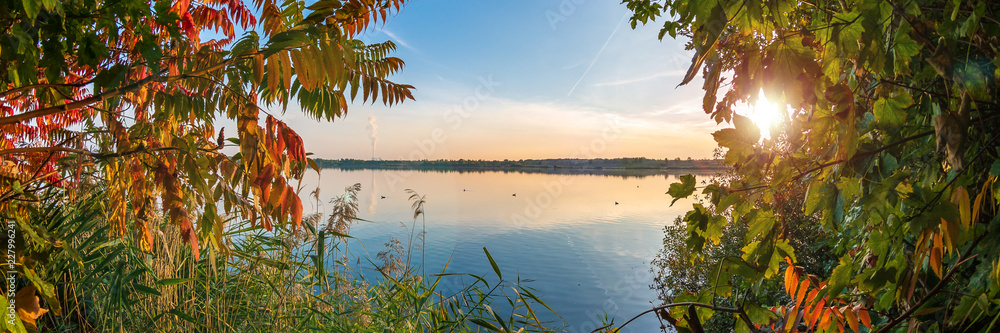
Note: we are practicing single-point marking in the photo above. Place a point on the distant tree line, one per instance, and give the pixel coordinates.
(628, 163)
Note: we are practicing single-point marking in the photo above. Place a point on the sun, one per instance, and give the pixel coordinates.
(765, 114)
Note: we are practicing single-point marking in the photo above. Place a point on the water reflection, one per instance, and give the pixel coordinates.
(587, 254)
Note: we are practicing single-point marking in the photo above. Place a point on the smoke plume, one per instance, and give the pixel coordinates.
(373, 132)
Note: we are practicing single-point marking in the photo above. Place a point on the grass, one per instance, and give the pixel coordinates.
(248, 280)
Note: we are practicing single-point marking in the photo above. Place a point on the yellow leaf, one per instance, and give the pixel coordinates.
(950, 231)
(273, 73)
(987, 188)
(960, 197)
(286, 69)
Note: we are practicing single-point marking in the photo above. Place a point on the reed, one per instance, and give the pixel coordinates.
(252, 280)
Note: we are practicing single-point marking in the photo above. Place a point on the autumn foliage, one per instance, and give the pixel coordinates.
(889, 120)
(126, 95)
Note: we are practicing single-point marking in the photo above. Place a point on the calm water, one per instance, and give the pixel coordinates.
(586, 255)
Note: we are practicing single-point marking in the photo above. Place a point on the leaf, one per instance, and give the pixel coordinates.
(936, 254)
(27, 306)
(496, 269)
(960, 197)
(485, 324)
(146, 290)
(791, 279)
(31, 8)
(683, 189)
(761, 223)
(850, 317)
(175, 281)
(863, 316)
(892, 111)
(44, 288)
(801, 293)
(706, 37)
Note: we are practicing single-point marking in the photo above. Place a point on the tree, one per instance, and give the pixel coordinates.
(128, 92)
(890, 124)
(124, 95)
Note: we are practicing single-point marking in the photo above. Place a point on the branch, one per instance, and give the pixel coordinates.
(43, 149)
(40, 86)
(864, 154)
(99, 156)
(116, 92)
(934, 291)
(737, 310)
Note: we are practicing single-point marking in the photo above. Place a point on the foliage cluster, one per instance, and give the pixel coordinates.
(890, 124)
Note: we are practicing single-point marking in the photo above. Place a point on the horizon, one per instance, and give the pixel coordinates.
(519, 159)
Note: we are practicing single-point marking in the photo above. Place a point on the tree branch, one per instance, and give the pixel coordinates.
(116, 92)
(7, 93)
(934, 291)
(739, 311)
(99, 156)
(864, 154)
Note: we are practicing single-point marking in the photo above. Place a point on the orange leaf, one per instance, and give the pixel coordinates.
(826, 319)
(987, 188)
(790, 281)
(27, 305)
(297, 210)
(812, 296)
(800, 296)
(935, 257)
(851, 318)
(814, 315)
(865, 319)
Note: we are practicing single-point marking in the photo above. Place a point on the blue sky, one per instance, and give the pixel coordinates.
(524, 79)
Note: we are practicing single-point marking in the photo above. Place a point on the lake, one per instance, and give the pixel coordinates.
(586, 254)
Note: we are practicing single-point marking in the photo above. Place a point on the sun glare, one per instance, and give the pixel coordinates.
(764, 114)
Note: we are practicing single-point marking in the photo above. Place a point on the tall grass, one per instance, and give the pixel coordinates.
(251, 280)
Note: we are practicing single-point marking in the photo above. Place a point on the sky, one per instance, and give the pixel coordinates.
(526, 79)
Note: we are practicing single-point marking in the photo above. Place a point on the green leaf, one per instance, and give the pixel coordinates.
(904, 49)
(172, 282)
(761, 222)
(892, 110)
(146, 290)
(706, 37)
(485, 324)
(683, 189)
(785, 249)
(31, 9)
(496, 269)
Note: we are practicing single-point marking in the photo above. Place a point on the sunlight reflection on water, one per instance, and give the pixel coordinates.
(587, 254)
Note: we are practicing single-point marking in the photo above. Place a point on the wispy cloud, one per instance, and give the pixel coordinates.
(639, 79)
(598, 55)
(397, 40)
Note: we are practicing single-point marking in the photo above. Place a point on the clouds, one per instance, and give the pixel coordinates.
(558, 90)
(669, 73)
